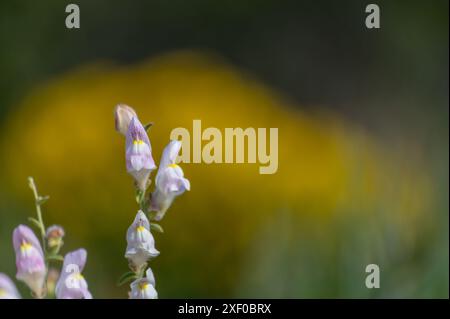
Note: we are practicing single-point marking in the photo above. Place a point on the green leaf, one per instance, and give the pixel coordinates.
(151, 215)
(156, 227)
(35, 222)
(139, 196)
(147, 126)
(126, 277)
(55, 258)
(42, 199)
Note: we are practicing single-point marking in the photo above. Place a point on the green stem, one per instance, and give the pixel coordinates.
(37, 201)
(141, 201)
(39, 212)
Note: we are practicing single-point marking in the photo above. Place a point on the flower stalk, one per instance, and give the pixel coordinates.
(169, 183)
(38, 201)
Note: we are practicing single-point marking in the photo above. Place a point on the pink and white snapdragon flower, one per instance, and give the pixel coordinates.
(30, 262)
(140, 242)
(138, 153)
(170, 181)
(71, 283)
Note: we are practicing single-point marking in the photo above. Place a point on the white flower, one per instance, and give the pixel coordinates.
(144, 288)
(140, 241)
(170, 181)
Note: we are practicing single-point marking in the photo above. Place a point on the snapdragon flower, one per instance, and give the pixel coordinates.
(7, 288)
(170, 181)
(71, 283)
(138, 153)
(30, 263)
(122, 118)
(144, 288)
(140, 242)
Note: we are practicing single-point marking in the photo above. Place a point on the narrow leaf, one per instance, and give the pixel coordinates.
(35, 222)
(126, 277)
(147, 126)
(156, 227)
(42, 199)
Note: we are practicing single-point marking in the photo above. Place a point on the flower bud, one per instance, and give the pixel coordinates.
(54, 237)
(122, 118)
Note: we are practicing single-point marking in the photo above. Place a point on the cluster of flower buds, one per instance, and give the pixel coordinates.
(169, 183)
(33, 258)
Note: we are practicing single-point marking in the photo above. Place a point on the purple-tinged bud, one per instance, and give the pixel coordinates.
(138, 153)
(7, 288)
(170, 181)
(71, 283)
(54, 235)
(29, 259)
(140, 242)
(122, 118)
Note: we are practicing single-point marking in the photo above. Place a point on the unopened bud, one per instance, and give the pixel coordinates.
(54, 237)
(122, 118)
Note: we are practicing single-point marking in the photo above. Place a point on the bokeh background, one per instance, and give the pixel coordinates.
(363, 141)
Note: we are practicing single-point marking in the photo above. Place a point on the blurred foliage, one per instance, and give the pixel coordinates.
(363, 132)
(338, 202)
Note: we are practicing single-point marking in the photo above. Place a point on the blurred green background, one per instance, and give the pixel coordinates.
(363, 141)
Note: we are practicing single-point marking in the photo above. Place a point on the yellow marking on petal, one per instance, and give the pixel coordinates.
(78, 276)
(2, 292)
(143, 285)
(140, 228)
(173, 165)
(24, 247)
(138, 142)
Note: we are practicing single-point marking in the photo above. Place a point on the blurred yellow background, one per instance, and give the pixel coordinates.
(341, 199)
